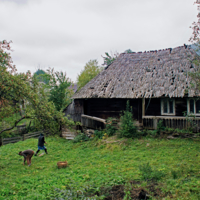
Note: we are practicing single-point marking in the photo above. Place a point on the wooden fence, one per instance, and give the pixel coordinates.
(4, 141)
(92, 122)
(150, 122)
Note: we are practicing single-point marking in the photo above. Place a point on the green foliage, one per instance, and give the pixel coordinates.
(152, 133)
(148, 173)
(41, 76)
(110, 128)
(160, 126)
(127, 191)
(24, 94)
(128, 51)
(90, 70)
(81, 138)
(190, 118)
(98, 134)
(108, 59)
(175, 174)
(182, 131)
(59, 92)
(169, 130)
(127, 128)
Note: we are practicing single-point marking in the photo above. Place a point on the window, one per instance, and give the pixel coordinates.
(167, 107)
(193, 106)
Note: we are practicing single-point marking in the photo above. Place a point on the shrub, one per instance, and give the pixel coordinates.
(127, 128)
(152, 133)
(160, 126)
(169, 130)
(81, 137)
(98, 134)
(110, 129)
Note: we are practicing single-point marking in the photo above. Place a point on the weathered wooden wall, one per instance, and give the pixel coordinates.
(105, 108)
(153, 106)
(75, 110)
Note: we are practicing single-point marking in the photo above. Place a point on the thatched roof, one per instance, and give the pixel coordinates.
(144, 74)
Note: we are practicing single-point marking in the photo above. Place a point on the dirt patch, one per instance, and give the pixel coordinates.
(117, 192)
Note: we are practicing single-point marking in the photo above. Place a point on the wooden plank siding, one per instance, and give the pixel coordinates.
(75, 110)
(153, 106)
(105, 108)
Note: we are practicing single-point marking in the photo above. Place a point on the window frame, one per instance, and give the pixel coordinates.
(162, 107)
(188, 106)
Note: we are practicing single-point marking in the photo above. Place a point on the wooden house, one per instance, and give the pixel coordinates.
(156, 83)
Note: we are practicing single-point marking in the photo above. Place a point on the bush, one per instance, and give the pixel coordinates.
(160, 126)
(98, 134)
(110, 129)
(80, 138)
(127, 128)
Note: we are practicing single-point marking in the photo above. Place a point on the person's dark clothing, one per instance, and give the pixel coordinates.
(41, 141)
(41, 146)
(27, 153)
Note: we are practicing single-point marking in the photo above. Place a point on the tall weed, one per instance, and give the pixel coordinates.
(148, 173)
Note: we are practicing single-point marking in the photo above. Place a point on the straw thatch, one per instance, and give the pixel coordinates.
(144, 75)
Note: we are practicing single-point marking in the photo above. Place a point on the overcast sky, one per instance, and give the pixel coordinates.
(66, 34)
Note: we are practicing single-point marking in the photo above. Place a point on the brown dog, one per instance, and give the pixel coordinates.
(27, 156)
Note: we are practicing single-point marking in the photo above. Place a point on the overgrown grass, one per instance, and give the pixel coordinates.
(97, 163)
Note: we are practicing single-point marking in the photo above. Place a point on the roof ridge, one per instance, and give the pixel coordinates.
(160, 50)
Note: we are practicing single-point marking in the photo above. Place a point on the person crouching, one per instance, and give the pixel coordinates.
(27, 155)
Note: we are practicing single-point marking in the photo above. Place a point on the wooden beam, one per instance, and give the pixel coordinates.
(143, 107)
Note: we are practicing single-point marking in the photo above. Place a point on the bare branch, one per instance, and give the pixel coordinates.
(7, 129)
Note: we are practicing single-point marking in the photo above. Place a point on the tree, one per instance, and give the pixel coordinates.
(90, 70)
(108, 59)
(24, 92)
(56, 86)
(195, 39)
(40, 75)
(128, 51)
(59, 89)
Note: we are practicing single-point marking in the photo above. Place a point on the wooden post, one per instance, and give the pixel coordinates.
(1, 141)
(143, 109)
(155, 122)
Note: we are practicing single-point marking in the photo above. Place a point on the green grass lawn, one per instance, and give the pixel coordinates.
(98, 164)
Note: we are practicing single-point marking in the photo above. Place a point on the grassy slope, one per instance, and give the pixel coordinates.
(96, 164)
